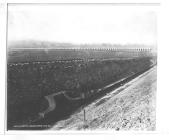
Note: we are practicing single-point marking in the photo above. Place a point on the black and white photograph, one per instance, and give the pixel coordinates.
(81, 67)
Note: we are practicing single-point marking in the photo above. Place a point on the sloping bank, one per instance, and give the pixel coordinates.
(131, 109)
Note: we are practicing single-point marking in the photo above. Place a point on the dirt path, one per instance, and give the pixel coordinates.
(130, 107)
(51, 103)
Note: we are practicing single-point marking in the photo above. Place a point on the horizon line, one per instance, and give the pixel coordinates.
(73, 43)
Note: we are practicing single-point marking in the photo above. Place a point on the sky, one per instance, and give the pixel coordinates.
(83, 24)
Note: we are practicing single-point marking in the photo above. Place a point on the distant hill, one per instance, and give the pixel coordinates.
(55, 45)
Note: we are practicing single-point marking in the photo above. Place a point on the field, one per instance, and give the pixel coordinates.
(36, 79)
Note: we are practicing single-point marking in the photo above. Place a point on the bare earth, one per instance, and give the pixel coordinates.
(132, 108)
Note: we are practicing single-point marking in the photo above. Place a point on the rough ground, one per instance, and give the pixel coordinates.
(132, 108)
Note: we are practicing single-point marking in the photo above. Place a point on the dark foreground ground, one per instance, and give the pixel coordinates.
(65, 108)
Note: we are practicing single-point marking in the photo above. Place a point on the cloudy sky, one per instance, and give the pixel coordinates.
(83, 24)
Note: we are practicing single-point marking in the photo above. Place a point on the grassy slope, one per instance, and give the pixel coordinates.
(131, 109)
